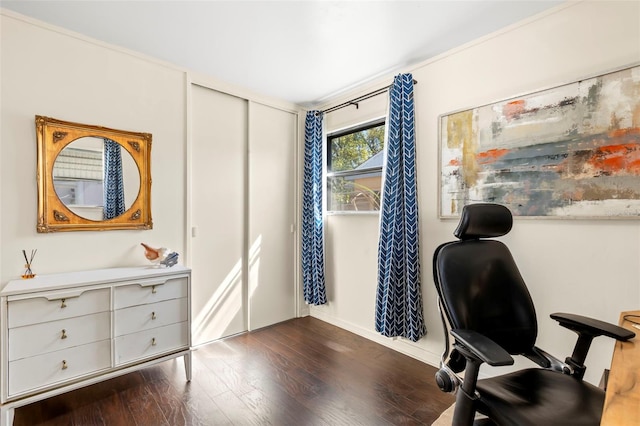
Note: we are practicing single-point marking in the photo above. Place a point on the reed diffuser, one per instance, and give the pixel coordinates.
(28, 273)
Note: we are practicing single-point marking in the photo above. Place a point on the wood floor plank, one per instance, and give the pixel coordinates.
(89, 415)
(281, 408)
(189, 406)
(238, 412)
(143, 406)
(370, 384)
(302, 372)
(113, 409)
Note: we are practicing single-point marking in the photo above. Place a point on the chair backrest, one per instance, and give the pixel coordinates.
(479, 284)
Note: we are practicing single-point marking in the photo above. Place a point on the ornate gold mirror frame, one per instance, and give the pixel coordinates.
(55, 215)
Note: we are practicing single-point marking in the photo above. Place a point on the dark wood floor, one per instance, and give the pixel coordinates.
(300, 372)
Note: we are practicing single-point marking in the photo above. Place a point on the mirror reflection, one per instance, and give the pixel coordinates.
(95, 178)
(92, 178)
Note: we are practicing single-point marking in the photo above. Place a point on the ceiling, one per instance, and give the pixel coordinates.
(304, 51)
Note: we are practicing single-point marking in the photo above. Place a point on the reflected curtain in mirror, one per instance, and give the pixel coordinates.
(113, 185)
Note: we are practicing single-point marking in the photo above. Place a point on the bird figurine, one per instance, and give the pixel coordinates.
(161, 256)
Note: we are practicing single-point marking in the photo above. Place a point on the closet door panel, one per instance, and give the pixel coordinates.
(218, 157)
(271, 215)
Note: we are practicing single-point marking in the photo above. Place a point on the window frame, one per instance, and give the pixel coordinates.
(345, 173)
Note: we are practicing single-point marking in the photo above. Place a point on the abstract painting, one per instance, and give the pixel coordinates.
(570, 151)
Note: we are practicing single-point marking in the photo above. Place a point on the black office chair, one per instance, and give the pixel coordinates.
(486, 307)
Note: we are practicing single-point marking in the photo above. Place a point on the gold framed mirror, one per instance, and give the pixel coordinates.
(92, 178)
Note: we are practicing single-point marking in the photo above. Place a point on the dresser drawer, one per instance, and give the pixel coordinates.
(55, 367)
(56, 306)
(135, 346)
(57, 335)
(140, 294)
(153, 315)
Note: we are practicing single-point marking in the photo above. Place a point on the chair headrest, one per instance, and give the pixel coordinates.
(483, 220)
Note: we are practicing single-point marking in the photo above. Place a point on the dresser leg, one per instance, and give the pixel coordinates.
(7, 416)
(187, 366)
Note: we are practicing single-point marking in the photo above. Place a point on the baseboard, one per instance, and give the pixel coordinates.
(398, 344)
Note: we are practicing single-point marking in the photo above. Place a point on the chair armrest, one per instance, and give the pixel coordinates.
(592, 326)
(587, 329)
(476, 349)
(482, 347)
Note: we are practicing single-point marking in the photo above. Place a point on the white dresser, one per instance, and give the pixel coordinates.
(64, 331)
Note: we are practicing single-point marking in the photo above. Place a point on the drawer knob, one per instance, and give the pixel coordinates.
(153, 341)
(63, 305)
(64, 334)
(64, 364)
(153, 315)
(153, 289)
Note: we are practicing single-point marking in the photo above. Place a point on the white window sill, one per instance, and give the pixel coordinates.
(354, 213)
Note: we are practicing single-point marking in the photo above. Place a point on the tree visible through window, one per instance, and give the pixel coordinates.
(354, 169)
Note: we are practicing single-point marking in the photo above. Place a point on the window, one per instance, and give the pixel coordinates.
(78, 175)
(354, 168)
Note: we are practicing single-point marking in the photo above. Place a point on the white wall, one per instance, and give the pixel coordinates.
(589, 267)
(55, 73)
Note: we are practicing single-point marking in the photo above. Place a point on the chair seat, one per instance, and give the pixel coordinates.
(540, 397)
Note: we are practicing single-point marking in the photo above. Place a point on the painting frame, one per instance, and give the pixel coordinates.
(569, 151)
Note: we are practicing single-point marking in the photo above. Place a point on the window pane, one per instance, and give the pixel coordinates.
(355, 150)
(354, 193)
(355, 169)
(77, 192)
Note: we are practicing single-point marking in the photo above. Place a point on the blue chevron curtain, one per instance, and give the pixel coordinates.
(113, 191)
(312, 220)
(399, 296)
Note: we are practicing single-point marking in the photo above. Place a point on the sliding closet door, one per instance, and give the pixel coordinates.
(218, 156)
(271, 215)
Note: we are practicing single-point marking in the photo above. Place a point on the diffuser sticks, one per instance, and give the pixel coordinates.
(28, 273)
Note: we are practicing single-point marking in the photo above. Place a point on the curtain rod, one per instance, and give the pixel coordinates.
(355, 101)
